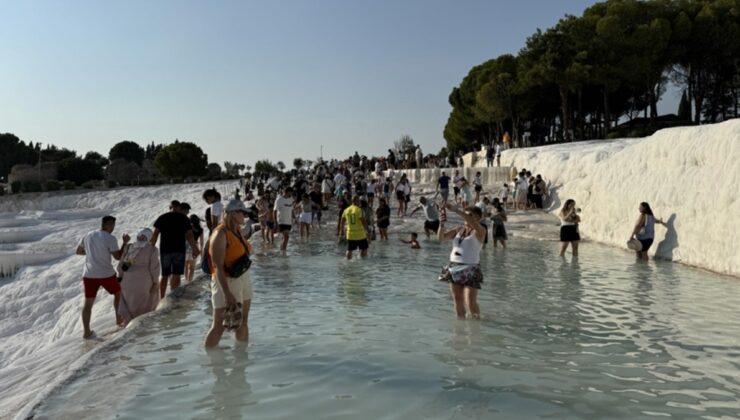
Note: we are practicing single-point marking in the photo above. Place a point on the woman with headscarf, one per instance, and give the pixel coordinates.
(138, 270)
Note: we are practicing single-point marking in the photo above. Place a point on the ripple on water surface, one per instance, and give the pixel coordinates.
(594, 337)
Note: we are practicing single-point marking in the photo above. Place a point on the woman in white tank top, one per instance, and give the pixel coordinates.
(463, 273)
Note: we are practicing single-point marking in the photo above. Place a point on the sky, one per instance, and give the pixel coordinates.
(250, 80)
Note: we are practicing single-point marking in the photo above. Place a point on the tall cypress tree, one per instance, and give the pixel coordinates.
(684, 107)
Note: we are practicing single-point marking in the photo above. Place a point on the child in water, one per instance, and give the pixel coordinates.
(413, 241)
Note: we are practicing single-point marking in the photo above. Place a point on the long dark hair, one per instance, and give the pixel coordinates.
(647, 208)
(497, 204)
(197, 228)
(569, 204)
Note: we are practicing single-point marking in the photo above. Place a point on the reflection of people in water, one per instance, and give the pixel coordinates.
(231, 391)
(352, 285)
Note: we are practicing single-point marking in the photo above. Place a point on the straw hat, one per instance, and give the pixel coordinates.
(634, 245)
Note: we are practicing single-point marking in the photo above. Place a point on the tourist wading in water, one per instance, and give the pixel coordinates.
(97, 247)
(463, 272)
(357, 229)
(176, 230)
(138, 270)
(569, 220)
(644, 230)
(231, 287)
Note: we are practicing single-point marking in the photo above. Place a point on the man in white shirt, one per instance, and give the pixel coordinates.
(283, 213)
(98, 246)
(456, 184)
(483, 206)
(215, 208)
(339, 181)
(431, 214)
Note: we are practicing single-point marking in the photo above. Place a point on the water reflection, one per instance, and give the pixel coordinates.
(352, 288)
(594, 337)
(231, 391)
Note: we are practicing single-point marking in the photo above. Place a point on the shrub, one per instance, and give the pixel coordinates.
(68, 185)
(111, 184)
(52, 185)
(79, 170)
(31, 186)
(2, 190)
(89, 185)
(15, 187)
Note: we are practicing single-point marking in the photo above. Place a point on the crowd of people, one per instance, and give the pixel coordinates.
(360, 192)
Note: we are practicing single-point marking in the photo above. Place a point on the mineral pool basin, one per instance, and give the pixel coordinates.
(600, 336)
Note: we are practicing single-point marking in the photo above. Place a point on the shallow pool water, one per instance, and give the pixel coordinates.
(600, 336)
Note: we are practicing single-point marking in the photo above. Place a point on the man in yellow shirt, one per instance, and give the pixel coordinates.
(356, 228)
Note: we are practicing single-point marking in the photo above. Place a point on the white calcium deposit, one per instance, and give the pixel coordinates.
(690, 176)
(40, 304)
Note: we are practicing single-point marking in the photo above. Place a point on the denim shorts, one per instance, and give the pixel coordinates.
(172, 263)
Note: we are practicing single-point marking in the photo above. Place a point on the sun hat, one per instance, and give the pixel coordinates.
(634, 245)
(235, 205)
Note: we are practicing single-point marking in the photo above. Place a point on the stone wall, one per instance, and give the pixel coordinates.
(29, 173)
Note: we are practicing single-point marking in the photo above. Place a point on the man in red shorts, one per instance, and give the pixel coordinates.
(97, 247)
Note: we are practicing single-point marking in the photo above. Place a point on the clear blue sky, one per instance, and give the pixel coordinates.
(249, 80)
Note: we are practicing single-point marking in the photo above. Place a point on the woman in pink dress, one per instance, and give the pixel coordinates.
(139, 271)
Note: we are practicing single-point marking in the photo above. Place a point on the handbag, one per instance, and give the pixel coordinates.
(634, 245)
(241, 265)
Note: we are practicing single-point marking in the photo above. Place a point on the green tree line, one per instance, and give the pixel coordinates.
(580, 77)
(175, 160)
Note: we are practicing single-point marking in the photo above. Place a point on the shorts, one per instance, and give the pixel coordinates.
(270, 224)
(173, 263)
(445, 193)
(384, 224)
(284, 228)
(370, 195)
(478, 188)
(408, 198)
(499, 232)
(400, 196)
(569, 233)
(456, 190)
(353, 245)
(110, 284)
(240, 287)
(305, 218)
(316, 214)
(467, 275)
(431, 225)
(646, 244)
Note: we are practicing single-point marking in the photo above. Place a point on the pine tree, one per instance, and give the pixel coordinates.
(684, 108)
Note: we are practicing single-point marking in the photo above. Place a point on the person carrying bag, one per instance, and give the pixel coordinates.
(231, 287)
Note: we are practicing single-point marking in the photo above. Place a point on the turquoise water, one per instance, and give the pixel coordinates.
(601, 336)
